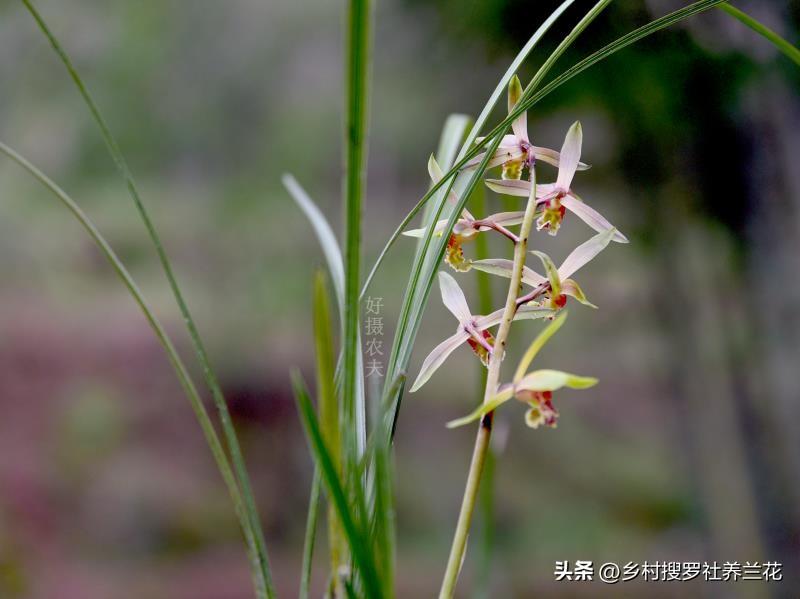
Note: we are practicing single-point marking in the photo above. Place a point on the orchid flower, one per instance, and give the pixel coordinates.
(472, 329)
(558, 279)
(534, 388)
(466, 227)
(556, 198)
(515, 150)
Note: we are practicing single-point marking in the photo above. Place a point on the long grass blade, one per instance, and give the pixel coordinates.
(324, 233)
(310, 536)
(383, 508)
(329, 415)
(181, 371)
(383, 521)
(333, 258)
(791, 51)
(350, 518)
(228, 429)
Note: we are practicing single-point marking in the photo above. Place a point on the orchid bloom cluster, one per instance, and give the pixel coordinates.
(543, 296)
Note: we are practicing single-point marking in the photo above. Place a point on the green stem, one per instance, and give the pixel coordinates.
(482, 585)
(253, 521)
(356, 125)
(492, 378)
(781, 44)
(459, 545)
(177, 363)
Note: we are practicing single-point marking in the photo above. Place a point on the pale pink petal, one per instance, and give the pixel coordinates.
(436, 174)
(552, 157)
(570, 156)
(501, 155)
(437, 357)
(532, 278)
(440, 225)
(527, 312)
(585, 252)
(490, 320)
(453, 298)
(532, 312)
(506, 219)
(522, 188)
(545, 190)
(520, 127)
(520, 124)
(590, 216)
(464, 228)
(512, 187)
(434, 170)
(494, 266)
(503, 267)
(508, 140)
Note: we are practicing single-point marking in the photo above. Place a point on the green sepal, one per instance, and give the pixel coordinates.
(552, 272)
(553, 380)
(484, 408)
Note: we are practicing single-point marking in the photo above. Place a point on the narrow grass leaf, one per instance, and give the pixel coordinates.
(181, 371)
(776, 40)
(231, 440)
(329, 409)
(357, 541)
(310, 536)
(324, 233)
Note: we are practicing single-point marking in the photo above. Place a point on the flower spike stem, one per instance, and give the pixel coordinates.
(499, 228)
(532, 295)
(459, 545)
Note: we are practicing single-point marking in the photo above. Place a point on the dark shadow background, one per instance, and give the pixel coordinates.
(688, 450)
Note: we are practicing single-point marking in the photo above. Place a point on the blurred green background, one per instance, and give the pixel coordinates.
(688, 450)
